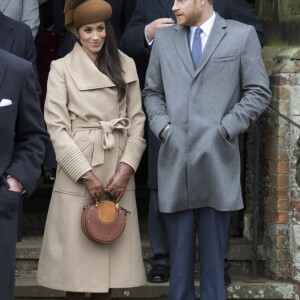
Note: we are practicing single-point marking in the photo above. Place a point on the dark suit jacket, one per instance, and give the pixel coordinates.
(22, 132)
(121, 14)
(16, 38)
(133, 44)
(133, 41)
(67, 39)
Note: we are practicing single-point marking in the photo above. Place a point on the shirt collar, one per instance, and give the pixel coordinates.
(207, 26)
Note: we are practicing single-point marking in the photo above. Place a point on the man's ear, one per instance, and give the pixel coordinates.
(202, 2)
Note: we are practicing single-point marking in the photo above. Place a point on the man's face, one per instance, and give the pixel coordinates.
(188, 12)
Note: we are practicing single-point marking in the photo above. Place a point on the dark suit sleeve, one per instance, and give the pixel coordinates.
(128, 8)
(241, 11)
(30, 135)
(57, 7)
(31, 56)
(67, 39)
(133, 39)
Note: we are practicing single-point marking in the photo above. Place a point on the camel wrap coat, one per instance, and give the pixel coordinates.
(90, 130)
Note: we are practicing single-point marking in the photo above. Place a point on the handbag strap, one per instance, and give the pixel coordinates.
(125, 211)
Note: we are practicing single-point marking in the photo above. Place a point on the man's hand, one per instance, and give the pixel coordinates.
(164, 129)
(151, 29)
(93, 185)
(14, 185)
(117, 184)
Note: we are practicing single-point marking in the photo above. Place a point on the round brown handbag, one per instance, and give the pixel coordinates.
(103, 222)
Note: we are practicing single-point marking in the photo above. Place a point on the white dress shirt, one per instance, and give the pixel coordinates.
(206, 29)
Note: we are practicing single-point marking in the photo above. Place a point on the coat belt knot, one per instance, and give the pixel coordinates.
(104, 139)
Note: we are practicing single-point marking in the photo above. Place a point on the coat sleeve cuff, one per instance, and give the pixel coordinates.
(21, 174)
(75, 164)
(231, 126)
(133, 152)
(157, 125)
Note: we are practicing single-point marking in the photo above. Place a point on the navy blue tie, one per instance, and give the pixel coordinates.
(197, 47)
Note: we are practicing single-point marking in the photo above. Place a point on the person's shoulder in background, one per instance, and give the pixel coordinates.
(240, 10)
(25, 11)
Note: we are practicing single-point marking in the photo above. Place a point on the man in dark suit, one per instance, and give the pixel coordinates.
(16, 38)
(148, 17)
(23, 138)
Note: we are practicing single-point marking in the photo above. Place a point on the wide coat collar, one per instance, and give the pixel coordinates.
(86, 75)
(6, 33)
(182, 46)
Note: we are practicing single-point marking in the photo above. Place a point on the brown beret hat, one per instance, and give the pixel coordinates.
(82, 12)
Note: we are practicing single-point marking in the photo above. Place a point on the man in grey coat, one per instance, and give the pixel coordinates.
(147, 19)
(205, 83)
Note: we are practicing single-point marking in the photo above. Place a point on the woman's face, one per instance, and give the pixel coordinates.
(92, 38)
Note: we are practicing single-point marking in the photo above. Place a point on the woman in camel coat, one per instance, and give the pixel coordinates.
(96, 127)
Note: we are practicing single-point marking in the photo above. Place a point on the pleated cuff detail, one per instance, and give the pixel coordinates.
(133, 152)
(75, 164)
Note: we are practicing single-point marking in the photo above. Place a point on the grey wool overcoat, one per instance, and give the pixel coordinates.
(198, 165)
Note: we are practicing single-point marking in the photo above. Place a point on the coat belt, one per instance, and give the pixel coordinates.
(104, 139)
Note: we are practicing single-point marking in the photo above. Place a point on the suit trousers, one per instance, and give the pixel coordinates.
(9, 207)
(212, 233)
(157, 232)
(227, 264)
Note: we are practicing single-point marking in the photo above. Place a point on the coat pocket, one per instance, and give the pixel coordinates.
(225, 58)
(8, 108)
(64, 183)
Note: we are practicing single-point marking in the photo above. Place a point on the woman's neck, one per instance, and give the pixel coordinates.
(92, 57)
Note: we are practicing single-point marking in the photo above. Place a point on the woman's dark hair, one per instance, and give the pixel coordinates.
(109, 63)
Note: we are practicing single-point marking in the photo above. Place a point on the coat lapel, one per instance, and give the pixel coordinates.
(6, 34)
(167, 6)
(87, 76)
(2, 69)
(182, 47)
(84, 73)
(216, 35)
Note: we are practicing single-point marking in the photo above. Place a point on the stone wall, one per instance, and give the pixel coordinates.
(282, 206)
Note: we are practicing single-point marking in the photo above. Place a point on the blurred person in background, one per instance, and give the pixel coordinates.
(25, 11)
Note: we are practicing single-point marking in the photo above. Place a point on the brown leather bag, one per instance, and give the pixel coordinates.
(103, 222)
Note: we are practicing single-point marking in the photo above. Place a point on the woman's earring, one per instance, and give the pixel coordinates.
(77, 38)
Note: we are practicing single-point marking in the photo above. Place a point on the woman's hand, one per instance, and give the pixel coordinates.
(117, 184)
(93, 185)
